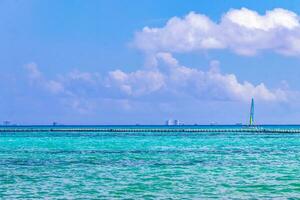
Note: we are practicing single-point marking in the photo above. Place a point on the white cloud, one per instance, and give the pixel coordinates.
(167, 81)
(33, 71)
(54, 86)
(77, 75)
(277, 18)
(136, 83)
(37, 78)
(241, 30)
(173, 78)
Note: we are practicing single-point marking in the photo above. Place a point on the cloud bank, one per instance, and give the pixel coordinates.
(175, 79)
(242, 31)
(166, 81)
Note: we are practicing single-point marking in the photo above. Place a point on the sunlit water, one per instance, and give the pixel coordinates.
(149, 165)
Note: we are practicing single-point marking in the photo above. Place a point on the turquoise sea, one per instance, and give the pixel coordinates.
(91, 165)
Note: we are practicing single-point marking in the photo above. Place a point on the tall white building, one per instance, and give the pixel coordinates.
(171, 122)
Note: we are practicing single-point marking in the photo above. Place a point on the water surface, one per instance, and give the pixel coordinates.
(89, 165)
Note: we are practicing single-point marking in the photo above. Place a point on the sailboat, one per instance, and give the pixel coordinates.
(251, 121)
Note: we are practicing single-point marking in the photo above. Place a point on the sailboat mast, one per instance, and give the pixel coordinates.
(251, 122)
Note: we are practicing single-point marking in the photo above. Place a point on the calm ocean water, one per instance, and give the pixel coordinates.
(149, 165)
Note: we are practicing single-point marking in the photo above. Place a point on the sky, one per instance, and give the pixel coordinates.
(145, 61)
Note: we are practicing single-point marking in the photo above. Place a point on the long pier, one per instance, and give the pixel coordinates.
(143, 130)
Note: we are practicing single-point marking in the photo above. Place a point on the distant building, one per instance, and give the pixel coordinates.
(171, 122)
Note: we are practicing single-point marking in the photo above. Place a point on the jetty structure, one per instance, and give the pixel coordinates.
(250, 128)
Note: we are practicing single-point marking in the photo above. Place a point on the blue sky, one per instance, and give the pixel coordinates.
(92, 62)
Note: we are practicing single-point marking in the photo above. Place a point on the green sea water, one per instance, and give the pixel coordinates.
(89, 165)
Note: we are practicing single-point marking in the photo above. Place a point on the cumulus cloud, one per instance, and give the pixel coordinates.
(73, 88)
(167, 80)
(37, 78)
(242, 31)
(172, 78)
(136, 83)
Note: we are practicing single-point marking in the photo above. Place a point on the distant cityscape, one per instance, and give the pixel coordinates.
(9, 123)
(169, 122)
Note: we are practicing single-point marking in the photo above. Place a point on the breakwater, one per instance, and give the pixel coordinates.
(192, 130)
